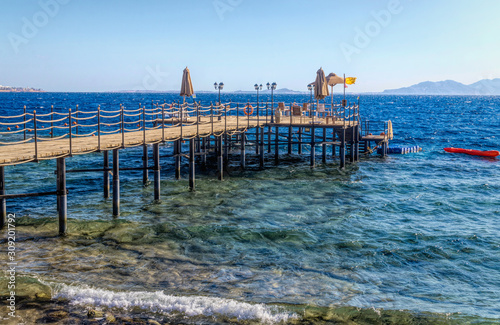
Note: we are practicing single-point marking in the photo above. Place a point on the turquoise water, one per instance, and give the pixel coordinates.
(411, 236)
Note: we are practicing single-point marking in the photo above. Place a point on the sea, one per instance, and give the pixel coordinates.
(405, 239)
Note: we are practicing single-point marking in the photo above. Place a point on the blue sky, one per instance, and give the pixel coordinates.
(97, 45)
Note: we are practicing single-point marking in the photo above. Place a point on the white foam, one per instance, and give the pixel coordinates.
(158, 302)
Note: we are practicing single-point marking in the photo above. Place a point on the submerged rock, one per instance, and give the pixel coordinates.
(92, 313)
(25, 288)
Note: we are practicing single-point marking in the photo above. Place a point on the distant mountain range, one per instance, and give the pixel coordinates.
(449, 87)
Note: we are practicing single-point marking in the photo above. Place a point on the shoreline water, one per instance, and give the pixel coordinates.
(415, 232)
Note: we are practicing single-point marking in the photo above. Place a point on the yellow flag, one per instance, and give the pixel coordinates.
(350, 80)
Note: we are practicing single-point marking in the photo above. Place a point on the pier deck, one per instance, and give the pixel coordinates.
(52, 149)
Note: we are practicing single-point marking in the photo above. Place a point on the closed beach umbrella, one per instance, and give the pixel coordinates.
(321, 86)
(186, 86)
(186, 89)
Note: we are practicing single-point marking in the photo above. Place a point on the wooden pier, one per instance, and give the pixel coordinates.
(210, 130)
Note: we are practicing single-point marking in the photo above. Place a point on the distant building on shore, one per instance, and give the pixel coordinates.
(8, 89)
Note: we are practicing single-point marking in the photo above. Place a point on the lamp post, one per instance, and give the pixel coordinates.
(258, 87)
(219, 87)
(272, 87)
(310, 87)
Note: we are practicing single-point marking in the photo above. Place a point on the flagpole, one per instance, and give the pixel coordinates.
(344, 87)
(331, 108)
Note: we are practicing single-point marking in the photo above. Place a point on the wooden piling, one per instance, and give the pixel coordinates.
(220, 159)
(356, 143)
(257, 143)
(323, 153)
(156, 171)
(299, 149)
(261, 148)
(204, 156)
(269, 135)
(342, 148)
(226, 147)
(276, 145)
(62, 195)
(290, 136)
(177, 153)
(334, 147)
(313, 147)
(352, 149)
(116, 183)
(191, 165)
(145, 170)
(243, 152)
(3, 203)
(106, 174)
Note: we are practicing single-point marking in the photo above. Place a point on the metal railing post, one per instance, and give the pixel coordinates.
(76, 113)
(212, 116)
(24, 122)
(99, 129)
(163, 122)
(122, 126)
(267, 111)
(52, 121)
(144, 125)
(197, 120)
(70, 133)
(36, 135)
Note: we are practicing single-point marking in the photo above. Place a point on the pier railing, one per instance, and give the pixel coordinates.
(37, 126)
(376, 128)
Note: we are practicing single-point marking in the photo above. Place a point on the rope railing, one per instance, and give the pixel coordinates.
(158, 117)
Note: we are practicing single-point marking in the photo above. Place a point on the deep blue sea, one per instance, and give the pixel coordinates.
(406, 239)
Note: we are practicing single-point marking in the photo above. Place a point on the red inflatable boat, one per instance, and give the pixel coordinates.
(491, 153)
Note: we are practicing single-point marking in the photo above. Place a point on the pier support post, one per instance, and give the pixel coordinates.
(156, 158)
(384, 149)
(3, 203)
(342, 148)
(257, 143)
(290, 136)
(177, 153)
(198, 144)
(334, 147)
(62, 195)
(105, 154)
(220, 159)
(191, 166)
(313, 147)
(261, 149)
(353, 136)
(269, 134)
(145, 159)
(227, 140)
(276, 145)
(323, 153)
(299, 150)
(204, 156)
(116, 183)
(356, 144)
(243, 152)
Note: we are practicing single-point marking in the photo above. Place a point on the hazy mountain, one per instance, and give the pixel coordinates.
(450, 87)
